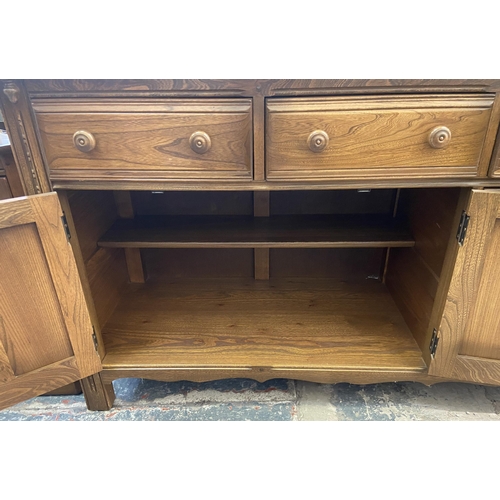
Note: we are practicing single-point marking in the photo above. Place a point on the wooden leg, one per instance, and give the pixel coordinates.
(99, 396)
(134, 265)
(261, 263)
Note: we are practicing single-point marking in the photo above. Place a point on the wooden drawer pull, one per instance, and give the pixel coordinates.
(200, 142)
(317, 141)
(84, 141)
(440, 137)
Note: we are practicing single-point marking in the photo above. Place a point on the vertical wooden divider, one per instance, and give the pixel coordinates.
(135, 265)
(261, 208)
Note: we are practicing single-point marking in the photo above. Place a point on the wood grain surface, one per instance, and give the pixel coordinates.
(465, 282)
(46, 332)
(375, 137)
(481, 338)
(148, 136)
(261, 86)
(248, 323)
(279, 231)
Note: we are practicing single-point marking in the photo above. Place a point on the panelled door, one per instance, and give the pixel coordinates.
(45, 329)
(469, 334)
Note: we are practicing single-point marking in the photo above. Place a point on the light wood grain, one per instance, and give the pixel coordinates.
(150, 136)
(375, 137)
(66, 281)
(259, 152)
(465, 281)
(29, 305)
(477, 370)
(262, 374)
(275, 323)
(481, 337)
(39, 382)
(41, 299)
(413, 287)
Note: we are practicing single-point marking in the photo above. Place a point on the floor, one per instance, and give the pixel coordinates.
(285, 400)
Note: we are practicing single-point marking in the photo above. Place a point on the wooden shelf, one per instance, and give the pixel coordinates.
(279, 231)
(285, 323)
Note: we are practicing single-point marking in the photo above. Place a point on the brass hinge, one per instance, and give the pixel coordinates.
(66, 227)
(94, 338)
(434, 342)
(462, 227)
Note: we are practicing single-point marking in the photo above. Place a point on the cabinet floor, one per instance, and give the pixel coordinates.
(279, 323)
(279, 399)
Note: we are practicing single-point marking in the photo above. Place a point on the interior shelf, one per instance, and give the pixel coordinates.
(277, 231)
(240, 322)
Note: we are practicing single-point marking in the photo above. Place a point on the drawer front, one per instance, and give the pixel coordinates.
(149, 140)
(379, 137)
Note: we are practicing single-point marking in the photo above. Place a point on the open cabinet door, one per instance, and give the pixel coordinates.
(469, 334)
(45, 329)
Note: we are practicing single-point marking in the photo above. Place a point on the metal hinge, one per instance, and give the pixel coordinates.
(94, 338)
(66, 227)
(462, 228)
(434, 342)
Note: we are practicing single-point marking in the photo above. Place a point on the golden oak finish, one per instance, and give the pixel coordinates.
(153, 138)
(239, 199)
(41, 296)
(24, 140)
(459, 315)
(375, 137)
(278, 323)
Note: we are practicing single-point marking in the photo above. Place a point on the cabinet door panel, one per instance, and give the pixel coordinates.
(45, 329)
(469, 334)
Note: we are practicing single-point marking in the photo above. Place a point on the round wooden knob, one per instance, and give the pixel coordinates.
(317, 141)
(440, 137)
(200, 142)
(84, 141)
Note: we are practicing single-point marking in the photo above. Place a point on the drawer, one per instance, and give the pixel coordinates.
(376, 137)
(167, 139)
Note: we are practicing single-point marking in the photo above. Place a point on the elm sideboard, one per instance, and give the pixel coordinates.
(321, 230)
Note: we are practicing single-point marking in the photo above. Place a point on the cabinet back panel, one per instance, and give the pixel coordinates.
(377, 201)
(349, 264)
(37, 337)
(193, 203)
(197, 262)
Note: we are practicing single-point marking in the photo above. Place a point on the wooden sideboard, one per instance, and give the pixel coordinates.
(322, 230)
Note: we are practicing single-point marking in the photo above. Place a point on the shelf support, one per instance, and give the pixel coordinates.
(135, 268)
(261, 208)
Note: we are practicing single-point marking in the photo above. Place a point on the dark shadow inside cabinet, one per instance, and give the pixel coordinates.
(313, 280)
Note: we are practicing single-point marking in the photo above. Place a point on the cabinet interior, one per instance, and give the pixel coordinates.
(343, 279)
